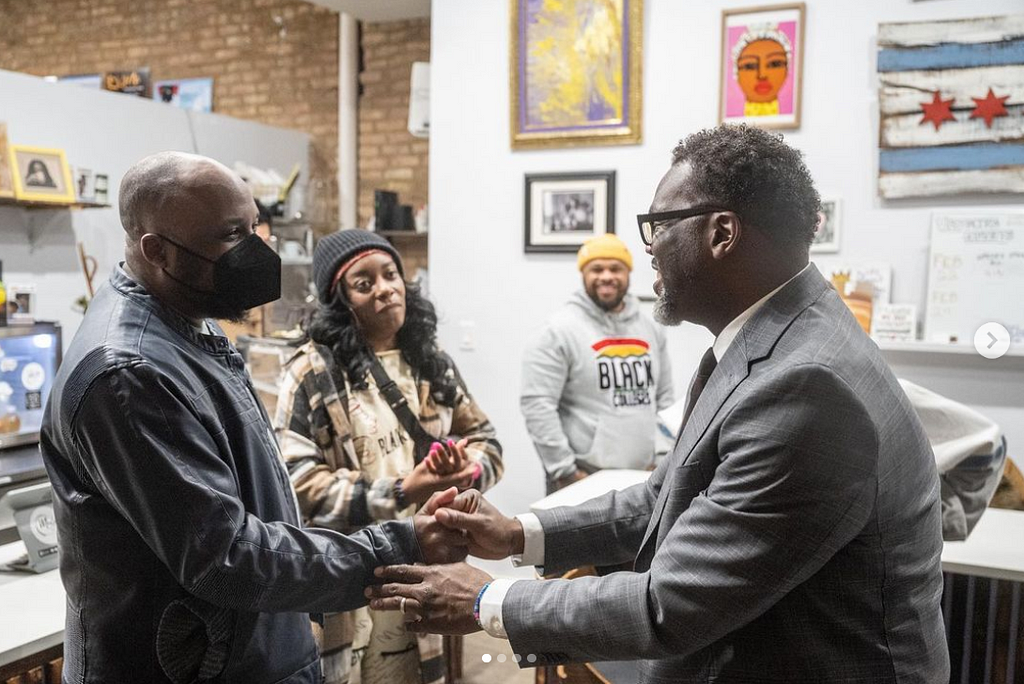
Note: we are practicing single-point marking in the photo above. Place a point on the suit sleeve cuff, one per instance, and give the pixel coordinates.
(533, 541)
(491, 605)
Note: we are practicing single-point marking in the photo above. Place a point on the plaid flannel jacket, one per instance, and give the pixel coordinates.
(322, 454)
(323, 457)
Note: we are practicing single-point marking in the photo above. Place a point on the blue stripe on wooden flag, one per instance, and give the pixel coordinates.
(952, 56)
(952, 157)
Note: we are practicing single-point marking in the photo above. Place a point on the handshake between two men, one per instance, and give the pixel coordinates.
(442, 597)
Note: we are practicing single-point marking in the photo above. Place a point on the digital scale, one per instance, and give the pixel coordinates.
(36, 524)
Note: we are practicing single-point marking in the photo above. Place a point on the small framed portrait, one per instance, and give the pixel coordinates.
(826, 233)
(41, 175)
(85, 184)
(762, 66)
(21, 304)
(565, 209)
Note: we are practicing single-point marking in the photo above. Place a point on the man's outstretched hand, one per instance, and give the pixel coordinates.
(487, 533)
(438, 599)
(438, 543)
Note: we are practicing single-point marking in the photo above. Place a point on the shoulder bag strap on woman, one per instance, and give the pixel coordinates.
(396, 400)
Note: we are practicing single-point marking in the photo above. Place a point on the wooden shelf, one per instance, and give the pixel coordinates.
(951, 355)
(920, 347)
(27, 204)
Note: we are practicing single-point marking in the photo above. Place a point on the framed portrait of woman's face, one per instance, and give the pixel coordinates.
(41, 175)
(762, 66)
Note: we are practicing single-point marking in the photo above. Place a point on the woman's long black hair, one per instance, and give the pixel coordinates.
(334, 325)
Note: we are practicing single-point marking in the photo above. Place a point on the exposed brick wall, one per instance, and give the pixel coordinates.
(389, 157)
(273, 61)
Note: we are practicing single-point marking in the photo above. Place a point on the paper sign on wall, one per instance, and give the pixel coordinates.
(894, 323)
(876, 273)
(975, 275)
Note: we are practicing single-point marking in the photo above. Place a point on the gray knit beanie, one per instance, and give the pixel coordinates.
(333, 250)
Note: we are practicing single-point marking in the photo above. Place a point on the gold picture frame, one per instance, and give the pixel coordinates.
(41, 174)
(6, 182)
(547, 111)
(782, 24)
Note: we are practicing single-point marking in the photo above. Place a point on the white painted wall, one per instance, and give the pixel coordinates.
(479, 273)
(107, 132)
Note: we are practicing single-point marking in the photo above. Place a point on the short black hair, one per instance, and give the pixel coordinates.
(756, 174)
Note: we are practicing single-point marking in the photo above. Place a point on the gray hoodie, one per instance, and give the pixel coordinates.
(593, 382)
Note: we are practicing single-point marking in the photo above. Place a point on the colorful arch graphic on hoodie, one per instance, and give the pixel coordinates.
(621, 347)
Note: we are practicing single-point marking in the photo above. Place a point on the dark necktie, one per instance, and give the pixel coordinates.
(708, 362)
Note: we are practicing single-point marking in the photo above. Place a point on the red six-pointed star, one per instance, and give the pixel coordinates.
(989, 107)
(937, 111)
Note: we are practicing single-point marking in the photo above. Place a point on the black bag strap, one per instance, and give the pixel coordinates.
(396, 400)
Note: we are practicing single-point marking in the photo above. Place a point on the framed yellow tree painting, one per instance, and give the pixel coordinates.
(575, 72)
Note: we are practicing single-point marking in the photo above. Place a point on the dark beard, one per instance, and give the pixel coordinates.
(664, 309)
(223, 313)
(592, 293)
(609, 306)
(206, 303)
(667, 307)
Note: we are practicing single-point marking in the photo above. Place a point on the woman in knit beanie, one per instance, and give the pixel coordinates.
(351, 461)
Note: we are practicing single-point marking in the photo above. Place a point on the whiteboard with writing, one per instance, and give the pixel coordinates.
(975, 275)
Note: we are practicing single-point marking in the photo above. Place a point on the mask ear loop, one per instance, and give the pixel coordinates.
(179, 281)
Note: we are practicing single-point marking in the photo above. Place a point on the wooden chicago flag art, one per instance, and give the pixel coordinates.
(951, 95)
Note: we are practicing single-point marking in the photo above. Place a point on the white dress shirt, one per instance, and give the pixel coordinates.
(533, 532)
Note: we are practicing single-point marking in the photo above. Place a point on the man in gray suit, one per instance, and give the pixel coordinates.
(794, 534)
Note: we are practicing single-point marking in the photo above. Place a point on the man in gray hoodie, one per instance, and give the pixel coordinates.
(596, 375)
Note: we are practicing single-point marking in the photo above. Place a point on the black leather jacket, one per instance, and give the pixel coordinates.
(179, 536)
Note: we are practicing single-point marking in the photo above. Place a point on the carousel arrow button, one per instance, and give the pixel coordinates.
(992, 340)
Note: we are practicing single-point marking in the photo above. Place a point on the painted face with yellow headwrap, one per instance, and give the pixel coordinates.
(761, 59)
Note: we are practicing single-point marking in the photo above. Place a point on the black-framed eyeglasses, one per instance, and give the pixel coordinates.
(649, 223)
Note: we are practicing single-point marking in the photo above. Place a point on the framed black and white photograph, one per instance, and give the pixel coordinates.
(565, 209)
(826, 234)
(41, 175)
(21, 304)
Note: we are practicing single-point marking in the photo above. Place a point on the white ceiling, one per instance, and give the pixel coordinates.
(378, 10)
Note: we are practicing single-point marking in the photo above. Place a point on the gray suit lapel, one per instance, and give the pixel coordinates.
(732, 370)
(755, 341)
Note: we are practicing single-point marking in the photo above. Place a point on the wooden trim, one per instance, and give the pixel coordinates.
(42, 659)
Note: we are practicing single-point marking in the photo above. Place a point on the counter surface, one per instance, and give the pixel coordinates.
(31, 609)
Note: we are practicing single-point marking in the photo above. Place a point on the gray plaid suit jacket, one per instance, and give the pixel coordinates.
(794, 534)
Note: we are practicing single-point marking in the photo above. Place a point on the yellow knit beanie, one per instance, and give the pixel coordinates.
(607, 246)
